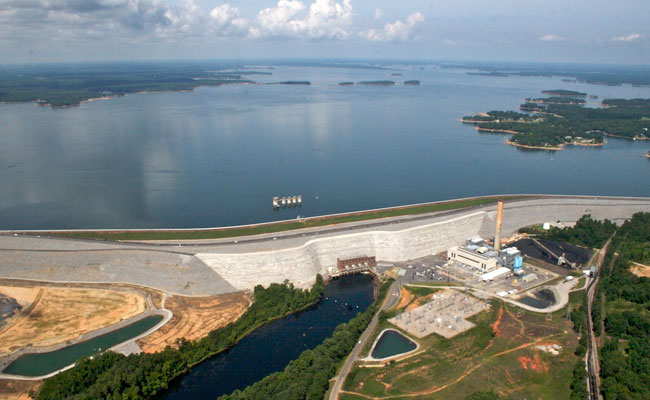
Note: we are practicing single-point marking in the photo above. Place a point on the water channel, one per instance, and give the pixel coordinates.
(38, 364)
(271, 347)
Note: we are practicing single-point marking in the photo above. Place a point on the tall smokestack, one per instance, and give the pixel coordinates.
(497, 236)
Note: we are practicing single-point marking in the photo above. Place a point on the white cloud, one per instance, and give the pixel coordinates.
(628, 38)
(551, 38)
(395, 31)
(164, 21)
(228, 20)
(326, 19)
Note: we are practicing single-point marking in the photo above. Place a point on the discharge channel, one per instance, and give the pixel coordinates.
(271, 347)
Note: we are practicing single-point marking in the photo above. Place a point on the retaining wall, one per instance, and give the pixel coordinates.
(301, 264)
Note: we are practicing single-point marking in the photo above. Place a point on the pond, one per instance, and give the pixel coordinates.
(540, 299)
(38, 364)
(392, 343)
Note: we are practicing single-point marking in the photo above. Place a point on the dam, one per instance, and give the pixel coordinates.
(216, 266)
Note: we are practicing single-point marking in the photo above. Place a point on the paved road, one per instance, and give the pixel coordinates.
(391, 300)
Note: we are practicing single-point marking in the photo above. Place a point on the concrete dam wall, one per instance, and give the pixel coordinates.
(301, 264)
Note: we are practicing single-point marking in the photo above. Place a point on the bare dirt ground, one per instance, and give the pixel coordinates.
(195, 317)
(405, 298)
(17, 390)
(60, 314)
(640, 270)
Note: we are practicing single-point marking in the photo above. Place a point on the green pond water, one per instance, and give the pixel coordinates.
(45, 363)
(392, 343)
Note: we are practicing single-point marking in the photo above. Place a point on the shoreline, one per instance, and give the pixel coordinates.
(626, 137)
(478, 128)
(555, 148)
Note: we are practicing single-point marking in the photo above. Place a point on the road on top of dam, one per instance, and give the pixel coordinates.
(31, 241)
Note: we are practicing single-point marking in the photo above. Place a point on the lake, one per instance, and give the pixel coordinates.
(270, 348)
(216, 156)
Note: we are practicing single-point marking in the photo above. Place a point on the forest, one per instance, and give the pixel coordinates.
(141, 376)
(625, 298)
(69, 85)
(554, 122)
(587, 232)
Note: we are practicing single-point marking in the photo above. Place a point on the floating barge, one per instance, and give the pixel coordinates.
(284, 202)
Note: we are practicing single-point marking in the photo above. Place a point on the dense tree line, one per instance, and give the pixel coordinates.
(625, 357)
(556, 100)
(563, 120)
(587, 232)
(579, 382)
(307, 377)
(141, 376)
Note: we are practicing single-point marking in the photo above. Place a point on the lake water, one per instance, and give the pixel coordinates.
(217, 156)
(271, 347)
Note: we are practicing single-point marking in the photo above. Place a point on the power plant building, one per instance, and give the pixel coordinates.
(480, 258)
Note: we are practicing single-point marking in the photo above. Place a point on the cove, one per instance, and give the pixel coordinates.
(392, 343)
(271, 347)
(38, 364)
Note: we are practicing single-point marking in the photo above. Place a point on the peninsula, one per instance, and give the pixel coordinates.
(71, 85)
(555, 122)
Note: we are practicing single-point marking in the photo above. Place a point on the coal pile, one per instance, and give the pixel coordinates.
(575, 254)
(8, 306)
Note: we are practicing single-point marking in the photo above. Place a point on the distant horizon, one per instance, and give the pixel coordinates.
(308, 60)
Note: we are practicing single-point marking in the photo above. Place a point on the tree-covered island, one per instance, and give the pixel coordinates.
(554, 122)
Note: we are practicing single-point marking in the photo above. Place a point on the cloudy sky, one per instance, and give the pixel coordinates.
(508, 30)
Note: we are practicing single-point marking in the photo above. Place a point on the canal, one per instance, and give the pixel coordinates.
(38, 364)
(270, 348)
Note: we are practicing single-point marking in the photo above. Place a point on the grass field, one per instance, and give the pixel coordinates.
(55, 315)
(219, 233)
(499, 354)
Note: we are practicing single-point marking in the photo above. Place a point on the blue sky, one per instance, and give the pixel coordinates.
(501, 30)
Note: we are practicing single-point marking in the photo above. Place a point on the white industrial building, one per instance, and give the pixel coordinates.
(480, 258)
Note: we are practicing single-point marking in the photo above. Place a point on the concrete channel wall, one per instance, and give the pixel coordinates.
(301, 264)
